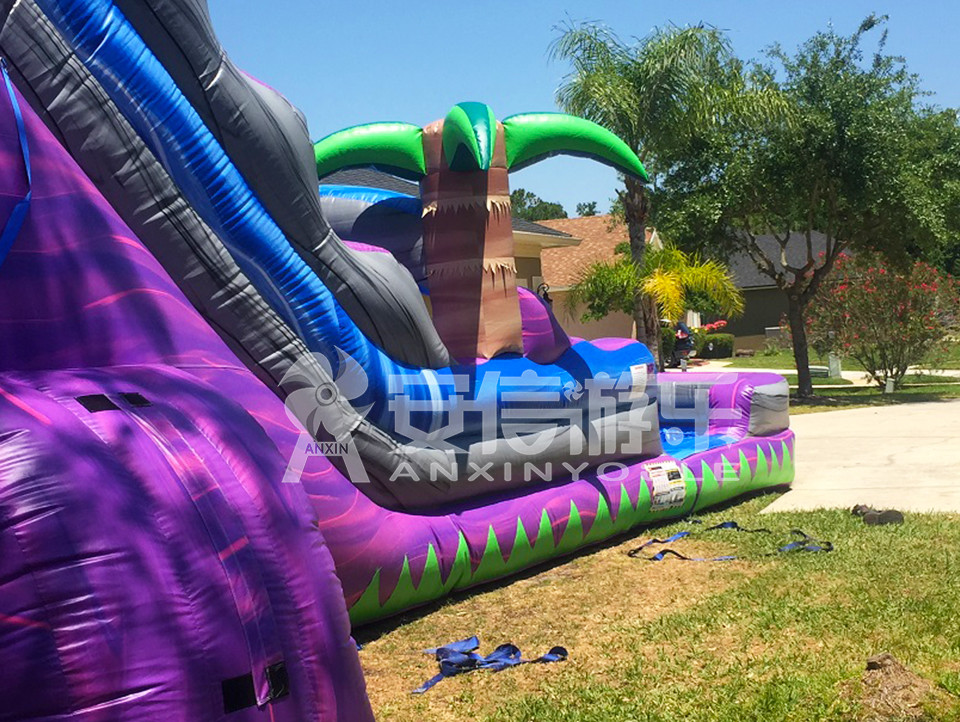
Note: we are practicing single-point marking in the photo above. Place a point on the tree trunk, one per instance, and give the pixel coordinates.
(636, 207)
(801, 352)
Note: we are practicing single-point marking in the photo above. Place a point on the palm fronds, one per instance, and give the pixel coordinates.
(668, 275)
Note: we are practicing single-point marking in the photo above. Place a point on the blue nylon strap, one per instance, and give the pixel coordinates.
(460, 657)
(15, 222)
(806, 543)
(649, 542)
(464, 645)
(737, 527)
(661, 555)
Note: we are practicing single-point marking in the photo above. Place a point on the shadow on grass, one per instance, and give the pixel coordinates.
(874, 396)
(375, 630)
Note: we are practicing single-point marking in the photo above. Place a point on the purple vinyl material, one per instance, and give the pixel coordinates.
(368, 541)
(151, 554)
(141, 318)
(543, 338)
(148, 551)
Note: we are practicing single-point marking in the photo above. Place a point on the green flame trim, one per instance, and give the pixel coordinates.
(525, 552)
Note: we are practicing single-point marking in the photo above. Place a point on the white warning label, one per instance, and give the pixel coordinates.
(638, 379)
(669, 489)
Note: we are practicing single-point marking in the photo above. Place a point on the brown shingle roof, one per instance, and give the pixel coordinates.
(562, 266)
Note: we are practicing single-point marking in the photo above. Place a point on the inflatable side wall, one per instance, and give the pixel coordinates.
(152, 564)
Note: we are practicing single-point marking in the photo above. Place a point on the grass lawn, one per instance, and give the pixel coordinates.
(784, 360)
(831, 381)
(861, 396)
(781, 637)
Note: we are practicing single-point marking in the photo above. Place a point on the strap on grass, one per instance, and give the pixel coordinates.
(461, 657)
(805, 543)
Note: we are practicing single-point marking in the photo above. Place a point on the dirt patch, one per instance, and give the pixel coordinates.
(592, 605)
(889, 691)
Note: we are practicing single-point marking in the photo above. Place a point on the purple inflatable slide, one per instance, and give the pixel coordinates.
(179, 540)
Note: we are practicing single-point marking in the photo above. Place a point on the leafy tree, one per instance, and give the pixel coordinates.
(657, 94)
(886, 318)
(856, 157)
(588, 208)
(667, 276)
(527, 205)
(938, 132)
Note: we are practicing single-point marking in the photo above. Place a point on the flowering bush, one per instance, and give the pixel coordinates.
(700, 334)
(715, 327)
(886, 319)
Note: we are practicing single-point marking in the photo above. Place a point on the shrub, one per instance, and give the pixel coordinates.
(700, 336)
(717, 345)
(886, 319)
(775, 345)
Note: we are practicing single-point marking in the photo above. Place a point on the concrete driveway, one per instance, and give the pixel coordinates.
(903, 457)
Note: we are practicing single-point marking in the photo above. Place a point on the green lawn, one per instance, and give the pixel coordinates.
(762, 638)
(832, 381)
(934, 379)
(784, 360)
(861, 396)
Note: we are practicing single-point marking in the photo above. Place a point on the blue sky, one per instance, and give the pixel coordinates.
(345, 63)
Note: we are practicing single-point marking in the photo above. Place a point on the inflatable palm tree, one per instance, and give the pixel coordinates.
(462, 163)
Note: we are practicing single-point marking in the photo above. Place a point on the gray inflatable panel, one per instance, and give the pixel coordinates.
(268, 141)
(769, 409)
(377, 224)
(113, 156)
(93, 130)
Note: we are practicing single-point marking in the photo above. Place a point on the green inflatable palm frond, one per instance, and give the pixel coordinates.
(531, 137)
(392, 147)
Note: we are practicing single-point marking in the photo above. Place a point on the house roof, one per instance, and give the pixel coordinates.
(524, 226)
(745, 271)
(370, 178)
(562, 266)
(599, 236)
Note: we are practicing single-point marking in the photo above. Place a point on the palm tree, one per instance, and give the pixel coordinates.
(462, 163)
(666, 278)
(656, 94)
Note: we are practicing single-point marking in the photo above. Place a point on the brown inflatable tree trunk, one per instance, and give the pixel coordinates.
(468, 245)
(462, 163)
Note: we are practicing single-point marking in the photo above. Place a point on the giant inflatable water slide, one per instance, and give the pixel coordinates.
(237, 416)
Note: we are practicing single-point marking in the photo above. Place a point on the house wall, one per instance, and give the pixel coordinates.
(618, 325)
(763, 307)
(527, 270)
